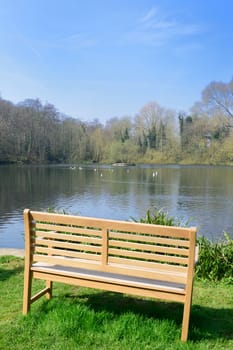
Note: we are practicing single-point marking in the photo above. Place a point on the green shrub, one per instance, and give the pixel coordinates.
(215, 260)
(159, 217)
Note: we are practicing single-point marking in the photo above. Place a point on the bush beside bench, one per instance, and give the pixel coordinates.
(127, 257)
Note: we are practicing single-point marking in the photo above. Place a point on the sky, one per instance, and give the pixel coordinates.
(99, 59)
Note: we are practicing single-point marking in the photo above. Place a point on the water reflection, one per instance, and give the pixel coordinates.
(200, 194)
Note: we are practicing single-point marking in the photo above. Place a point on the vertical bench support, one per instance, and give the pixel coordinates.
(27, 268)
(189, 287)
(105, 247)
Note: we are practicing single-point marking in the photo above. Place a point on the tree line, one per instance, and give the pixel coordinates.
(32, 132)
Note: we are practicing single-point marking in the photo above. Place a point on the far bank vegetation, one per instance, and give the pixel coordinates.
(32, 132)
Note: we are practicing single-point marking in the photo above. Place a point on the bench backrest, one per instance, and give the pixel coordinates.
(152, 251)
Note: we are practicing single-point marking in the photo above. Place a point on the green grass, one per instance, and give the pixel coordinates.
(81, 318)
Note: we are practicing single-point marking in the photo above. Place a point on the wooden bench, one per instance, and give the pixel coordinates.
(127, 257)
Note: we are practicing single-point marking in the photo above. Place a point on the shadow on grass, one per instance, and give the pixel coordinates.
(10, 266)
(205, 322)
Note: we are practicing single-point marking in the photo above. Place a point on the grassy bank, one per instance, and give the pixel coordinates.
(80, 318)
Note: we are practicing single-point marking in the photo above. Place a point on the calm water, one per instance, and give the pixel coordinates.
(203, 195)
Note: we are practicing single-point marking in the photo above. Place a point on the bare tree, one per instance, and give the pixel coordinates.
(217, 98)
(152, 124)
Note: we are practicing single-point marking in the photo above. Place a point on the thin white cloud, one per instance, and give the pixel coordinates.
(149, 15)
(158, 29)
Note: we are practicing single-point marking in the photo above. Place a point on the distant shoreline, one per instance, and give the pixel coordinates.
(12, 251)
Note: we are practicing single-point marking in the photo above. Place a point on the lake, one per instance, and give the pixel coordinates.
(201, 195)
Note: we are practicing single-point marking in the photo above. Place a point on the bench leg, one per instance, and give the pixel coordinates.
(27, 291)
(49, 284)
(186, 317)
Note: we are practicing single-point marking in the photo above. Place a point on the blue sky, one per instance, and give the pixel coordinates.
(106, 58)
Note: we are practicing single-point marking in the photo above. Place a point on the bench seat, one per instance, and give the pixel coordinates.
(113, 278)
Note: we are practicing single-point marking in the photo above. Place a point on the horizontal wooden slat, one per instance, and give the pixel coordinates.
(89, 261)
(69, 220)
(149, 238)
(147, 256)
(145, 264)
(162, 275)
(69, 237)
(68, 229)
(149, 247)
(64, 253)
(65, 245)
(157, 230)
